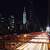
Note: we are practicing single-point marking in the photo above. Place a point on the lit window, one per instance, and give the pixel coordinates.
(8, 27)
(12, 26)
(12, 16)
(2, 21)
(2, 18)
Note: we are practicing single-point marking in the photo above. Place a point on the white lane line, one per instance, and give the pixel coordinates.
(23, 46)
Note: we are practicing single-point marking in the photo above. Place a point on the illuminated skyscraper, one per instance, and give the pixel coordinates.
(24, 16)
(11, 23)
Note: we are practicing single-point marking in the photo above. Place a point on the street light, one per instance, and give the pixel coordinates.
(47, 29)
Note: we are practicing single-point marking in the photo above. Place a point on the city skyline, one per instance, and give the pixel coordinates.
(39, 11)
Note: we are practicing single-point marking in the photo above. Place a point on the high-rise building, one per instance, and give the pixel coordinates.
(3, 25)
(24, 21)
(24, 16)
(11, 23)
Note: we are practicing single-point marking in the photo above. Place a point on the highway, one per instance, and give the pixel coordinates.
(38, 45)
(33, 46)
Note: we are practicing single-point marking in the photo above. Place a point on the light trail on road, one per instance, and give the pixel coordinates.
(33, 46)
(36, 45)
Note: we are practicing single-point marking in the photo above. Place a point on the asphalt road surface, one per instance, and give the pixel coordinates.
(36, 46)
(33, 46)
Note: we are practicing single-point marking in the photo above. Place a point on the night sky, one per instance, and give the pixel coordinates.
(40, 9)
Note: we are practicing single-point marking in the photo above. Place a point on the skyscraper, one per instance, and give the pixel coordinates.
(3, 24)
(11, 23)
(24, 16)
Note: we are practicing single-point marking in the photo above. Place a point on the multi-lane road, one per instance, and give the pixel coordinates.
(38, 42)
(33, 46)
(34, 41)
